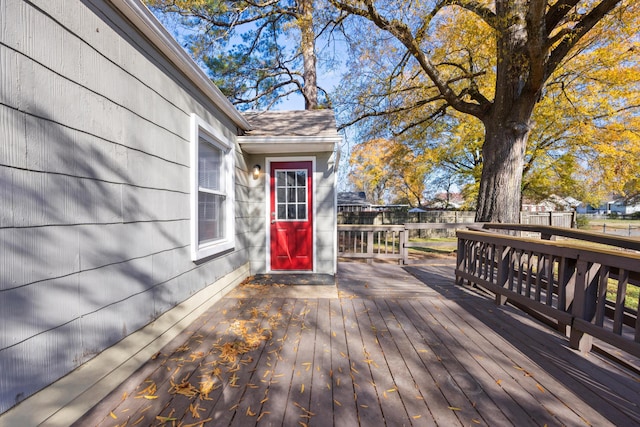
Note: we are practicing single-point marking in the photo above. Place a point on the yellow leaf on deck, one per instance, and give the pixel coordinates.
(498, 382)
(337, 403)
(540, 387)
(453, 408)
(475, 421)
(112, 415)
(417, 416)
(149, 397)
(302, 388)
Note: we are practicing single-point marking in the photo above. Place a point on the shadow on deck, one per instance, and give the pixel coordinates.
(389, 345)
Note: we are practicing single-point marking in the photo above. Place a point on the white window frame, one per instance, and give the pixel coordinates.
(200, 129)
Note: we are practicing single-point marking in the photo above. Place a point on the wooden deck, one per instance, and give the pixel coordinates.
(390, 346)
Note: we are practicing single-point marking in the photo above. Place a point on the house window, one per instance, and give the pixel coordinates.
(212, 214)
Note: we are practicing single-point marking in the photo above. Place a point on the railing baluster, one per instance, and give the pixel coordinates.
(539, 273)
(621, 294)
(602, 295)
(529, 274)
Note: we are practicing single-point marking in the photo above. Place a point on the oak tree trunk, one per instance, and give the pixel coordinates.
(500, 185)
(508, 122)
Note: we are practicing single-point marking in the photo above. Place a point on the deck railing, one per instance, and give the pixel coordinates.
(371, 241)
(386, 241)
(563, 280)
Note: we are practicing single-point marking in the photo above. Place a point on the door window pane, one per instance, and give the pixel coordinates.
(291, 195)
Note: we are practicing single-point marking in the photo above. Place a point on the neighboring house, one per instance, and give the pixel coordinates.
(613, 205)
(353, 201)
(127, 186)
(552, 203)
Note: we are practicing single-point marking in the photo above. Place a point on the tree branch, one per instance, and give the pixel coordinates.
(579, 30)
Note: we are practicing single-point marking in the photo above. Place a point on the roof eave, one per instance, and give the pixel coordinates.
(145, 21)
(288, 144)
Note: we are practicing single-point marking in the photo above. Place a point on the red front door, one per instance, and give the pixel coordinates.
(291, 216)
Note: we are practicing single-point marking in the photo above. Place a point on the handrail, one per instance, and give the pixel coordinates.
(547, 232)
(562, 280)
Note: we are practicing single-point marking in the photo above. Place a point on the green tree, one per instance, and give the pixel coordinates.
(492, 60)
(257, 52)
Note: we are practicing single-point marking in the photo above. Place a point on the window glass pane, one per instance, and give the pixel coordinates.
(291, 212)
(210, 167)
(280, 179)
(302, 211)
(291, 195)
(281, 195)
(302, 178)
(302, 195)
(291, 178)
(282, 211)
(210, 217)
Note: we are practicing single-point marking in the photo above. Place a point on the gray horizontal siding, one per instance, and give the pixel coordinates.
(94, 183)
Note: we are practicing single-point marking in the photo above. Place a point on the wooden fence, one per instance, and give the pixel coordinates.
(564, 280)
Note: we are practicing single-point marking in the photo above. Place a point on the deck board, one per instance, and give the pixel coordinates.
(321, 396)
(388, 348)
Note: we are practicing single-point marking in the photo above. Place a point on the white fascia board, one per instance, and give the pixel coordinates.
(145, 21)
(288, 144)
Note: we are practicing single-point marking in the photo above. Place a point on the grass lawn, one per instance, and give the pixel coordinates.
(633, 293)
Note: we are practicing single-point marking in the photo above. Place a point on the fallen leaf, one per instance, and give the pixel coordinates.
(199, 423)
(540, 387)
(112, 415)
(453, 408)
(149, 397)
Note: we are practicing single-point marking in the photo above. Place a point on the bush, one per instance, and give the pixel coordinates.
(582, 221)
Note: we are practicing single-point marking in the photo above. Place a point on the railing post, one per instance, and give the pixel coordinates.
(404, 251)
(578, 339)
(567, 277)
(460, 256)
(504, 264)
